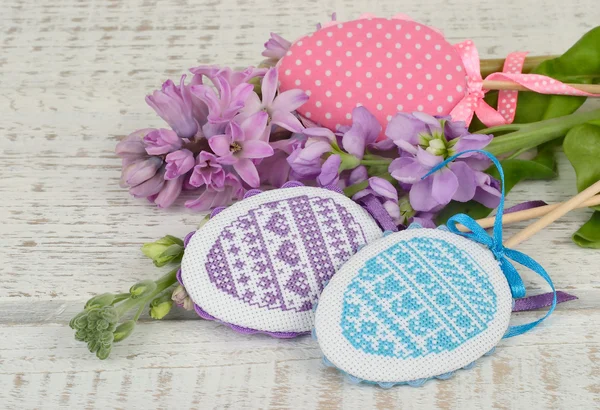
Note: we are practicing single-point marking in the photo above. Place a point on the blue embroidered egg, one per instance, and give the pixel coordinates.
(414, 305)
(261, 264)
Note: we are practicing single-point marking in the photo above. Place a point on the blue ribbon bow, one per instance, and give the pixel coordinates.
(494, 243)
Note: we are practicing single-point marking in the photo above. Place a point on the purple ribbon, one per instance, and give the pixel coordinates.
(378, 212)
(525, 205)
(540, 301)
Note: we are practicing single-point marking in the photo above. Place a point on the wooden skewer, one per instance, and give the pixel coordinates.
(527, 214)
(510, 85)
(553, 215)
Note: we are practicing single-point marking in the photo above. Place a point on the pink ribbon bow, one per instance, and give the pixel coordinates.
(473, 102)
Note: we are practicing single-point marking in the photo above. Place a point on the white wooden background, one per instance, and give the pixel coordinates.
(73, 76)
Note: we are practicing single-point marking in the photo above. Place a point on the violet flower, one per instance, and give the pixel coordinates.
(280, 107)
(241, 144)
(132, 148)
(364, 132)
(275, 170)
(422, 139)
(225, 105)
(213, 197)
(276, 47)
(233, 77)
(169, 192)
(207, 171)
(162, 141)
(174, 105)
(178, 163)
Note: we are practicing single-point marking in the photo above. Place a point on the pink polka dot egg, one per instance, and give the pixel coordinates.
(384, 64)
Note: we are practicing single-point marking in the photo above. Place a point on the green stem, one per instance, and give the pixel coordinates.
(534, 134)
(375, 162)
(500, 128)
(161, 284)
(353, 189)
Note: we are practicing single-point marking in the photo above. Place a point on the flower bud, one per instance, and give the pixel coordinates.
(123, 330)
(99, 301)
(103, 352)
(106, 338)
(110, 314)
(181, 298)
(160, 306)
(80, 321)
(143, 288)
(165, 250)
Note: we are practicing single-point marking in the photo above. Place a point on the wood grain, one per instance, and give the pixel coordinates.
(73, 75)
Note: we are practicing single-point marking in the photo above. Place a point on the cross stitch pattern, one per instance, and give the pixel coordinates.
(262, 263)
(414, 305)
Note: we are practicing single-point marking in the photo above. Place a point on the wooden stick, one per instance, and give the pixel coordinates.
(496, 65)
(510, 85)
(527, 214)
(553, 215)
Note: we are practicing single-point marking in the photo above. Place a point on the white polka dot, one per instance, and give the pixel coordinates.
(439, 87)
(379, 85)
(398, 45)
(349, 34)
(420, 107)
(338, 83)
(409, 96)
(408, 56)
(378, 26)
(418, 46)
(398, 26)
(348, 116)
(438, 66)
(430, 97)
(419, 66)
(369, 54)
(428, 76)
(419, 86)
(378, 45)
(388, 75)
(438, 47)
(338, 43)
(318, 62)
(408, 36)
(358, 104)
(308, 52)
(358, 84)
(398, 65)
(448, 57)
(388, 36)
(289, 53)
(378, 64)
(318, 83)
(330, 34)
(348, 53)
(307, 72)
(328, 115)
(399, 107)
(450, 98)
(328, 93)
(318, 103)
(358, 44)
(458, 88)
(440, 108)
(299, 43)
(288, 72)
(399, 86)
(359, 63)
(338, 104)
(448, 77)
(348, 94)
(389, 96)
(369, 74)
(338, 63)
(458, 68)
(389, 117)
(427, 37)
(319, 43)
(409, 75)
(379, 107)
(348, 73)
(297, 82)
(307, 114)
(298, 62)
(328, 53)
(369, 35)
(369, 95)
(359, 25)
(328, 73)
(418, 28)
(308, 92)
(428, 56)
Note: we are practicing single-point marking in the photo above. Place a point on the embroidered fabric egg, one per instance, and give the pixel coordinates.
(386, 65)
(261, 264)
(415, 305)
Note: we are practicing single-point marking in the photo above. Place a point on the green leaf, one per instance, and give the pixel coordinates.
(588, 236)
(578, 65)
(543, 166)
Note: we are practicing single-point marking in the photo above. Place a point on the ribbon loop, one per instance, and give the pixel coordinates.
(494, 243)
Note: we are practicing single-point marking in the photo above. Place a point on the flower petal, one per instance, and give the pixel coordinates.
(407, 170)
(319, 132)
(368, 123)
(330, 171)
(466, 181)
(254, 126)
(220, 144)
(472, 141)
(269, 86)
(169, 193)
(289, 100)
(287, 120)
(314, 149)
(383, 188)
(445, 185)
(420, 196)
(405, 127)
(256, 149)
(427, 158)
(247, 171)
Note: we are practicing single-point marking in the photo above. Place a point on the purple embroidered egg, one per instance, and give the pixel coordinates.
(385, 65)
(261, 264)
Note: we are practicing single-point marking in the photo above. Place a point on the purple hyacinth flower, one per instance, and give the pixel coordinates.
(276, 47)
(275, 170)
(174, 105)
(141, 171)
(207, 171)
(233, 77)
(169, 192)
(278, 107)
(488, 190)
(405, 129)
(225, 105)
(330, 171)
(178, 163)
(133, 148)
(212, 197)
(149, 187)
(241, 144)
(306, 161)
(162, 141)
